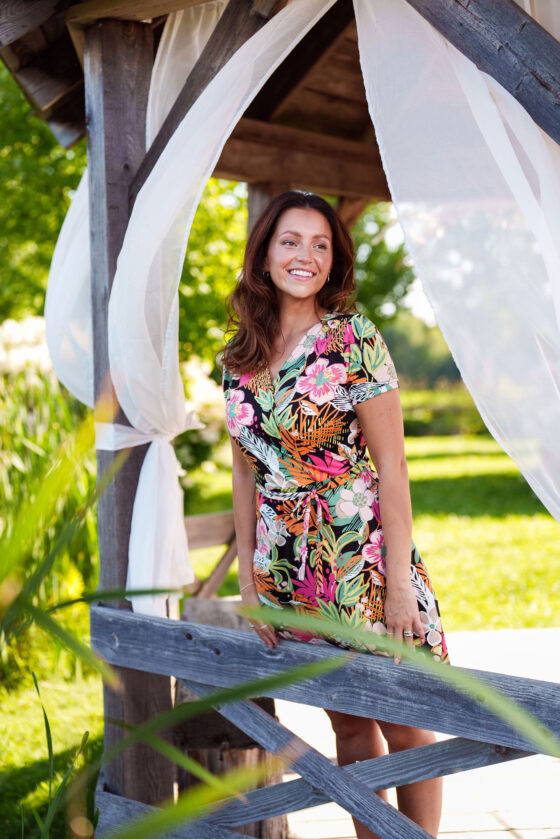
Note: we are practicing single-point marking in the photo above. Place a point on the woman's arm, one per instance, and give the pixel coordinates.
(245, 518)
(382, 424)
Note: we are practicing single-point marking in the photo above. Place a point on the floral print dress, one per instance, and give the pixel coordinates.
(319, 540)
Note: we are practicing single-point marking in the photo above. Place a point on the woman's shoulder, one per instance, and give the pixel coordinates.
(361, 325)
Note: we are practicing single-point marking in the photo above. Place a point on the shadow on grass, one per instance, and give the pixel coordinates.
(16, 784)
(475, 495)
(448, 454)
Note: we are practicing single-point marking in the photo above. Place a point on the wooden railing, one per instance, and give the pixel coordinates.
(206, 658)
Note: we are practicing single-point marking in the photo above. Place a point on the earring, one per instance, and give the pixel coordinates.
(266, 275)
(328, 277)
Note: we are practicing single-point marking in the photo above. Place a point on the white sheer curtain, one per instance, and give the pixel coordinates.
(476, 185)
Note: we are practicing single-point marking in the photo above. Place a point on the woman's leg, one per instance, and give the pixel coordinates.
(357, 738)
(421, 801)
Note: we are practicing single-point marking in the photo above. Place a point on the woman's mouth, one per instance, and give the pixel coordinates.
(301, 274)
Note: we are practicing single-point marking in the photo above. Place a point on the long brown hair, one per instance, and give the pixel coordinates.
(253, 306)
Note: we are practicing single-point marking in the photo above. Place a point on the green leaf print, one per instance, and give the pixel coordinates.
(373, 357)
(270, 425)
(264, 399)
(349, 593)
(355, 363)
(365, 328)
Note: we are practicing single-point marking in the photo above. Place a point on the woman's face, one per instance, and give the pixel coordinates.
(300, 253)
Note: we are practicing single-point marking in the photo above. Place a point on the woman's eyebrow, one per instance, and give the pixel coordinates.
(295, 233)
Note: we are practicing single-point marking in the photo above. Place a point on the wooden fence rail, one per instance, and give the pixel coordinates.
(206, 658)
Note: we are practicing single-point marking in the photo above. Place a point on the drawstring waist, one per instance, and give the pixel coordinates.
(306, 498)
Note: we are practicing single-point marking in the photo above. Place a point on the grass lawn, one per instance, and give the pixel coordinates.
(492, 550)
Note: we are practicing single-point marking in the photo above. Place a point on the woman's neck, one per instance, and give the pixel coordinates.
(298, 316)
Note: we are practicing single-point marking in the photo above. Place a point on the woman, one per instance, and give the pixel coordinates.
(300, 376)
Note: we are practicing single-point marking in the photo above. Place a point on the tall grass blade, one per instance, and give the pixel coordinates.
(57, 800)
(48, 736)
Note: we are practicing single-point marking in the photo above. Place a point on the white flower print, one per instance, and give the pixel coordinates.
(431, 623)
(358, 500)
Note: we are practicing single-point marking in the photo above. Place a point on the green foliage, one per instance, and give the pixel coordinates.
(449, 410)
(419, 352)
(36, 181)
(383, 273)
(36, 418)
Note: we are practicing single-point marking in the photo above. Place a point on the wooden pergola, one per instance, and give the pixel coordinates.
(85, 68)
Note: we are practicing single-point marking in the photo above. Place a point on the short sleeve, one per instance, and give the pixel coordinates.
(370, 368)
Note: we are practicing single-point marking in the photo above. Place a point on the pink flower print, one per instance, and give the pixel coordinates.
(244, 378)
(320, 345)
(431, 623)
(349, 335)
(306, 590)
(238, 413)
(373, 551)
(330, 464)
(358, 500)
(320, 380)
(262, 537)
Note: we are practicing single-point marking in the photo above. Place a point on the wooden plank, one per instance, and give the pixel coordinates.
(318, 42)
(211, 585)
(443, 758)
(236, 25)
(259, 151)
(369, 685)
(115, 811)
(93, 10)
(19, 17)
(350, 209)
(118, 62)
(210, 529)
(504, 41)
(260, 192)
(332, 781)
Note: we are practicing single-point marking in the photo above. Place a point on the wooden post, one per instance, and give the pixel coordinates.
(260, 194)
(118, 60)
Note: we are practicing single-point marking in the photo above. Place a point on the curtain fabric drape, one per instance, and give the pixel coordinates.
(476, 185)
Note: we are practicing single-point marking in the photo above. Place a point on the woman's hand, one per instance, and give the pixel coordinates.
(401, 613)
(266, 633)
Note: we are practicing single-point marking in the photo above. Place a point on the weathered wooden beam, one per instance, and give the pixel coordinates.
(504, 41)
(118, 62)
(115, 811)
(236, 25)
(83, 14)
(259, 192)
(436, 760)
(210, 529)
(350, 209)
(369, 685)
(18, 17)
(350, 793)
(261, 151)
(305, 55)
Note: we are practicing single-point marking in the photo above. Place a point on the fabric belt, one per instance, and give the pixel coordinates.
(305, 499)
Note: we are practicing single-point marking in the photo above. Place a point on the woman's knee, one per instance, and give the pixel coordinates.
(401, 737)
(347, 726)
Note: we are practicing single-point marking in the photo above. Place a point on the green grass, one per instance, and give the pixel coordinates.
(72, 708)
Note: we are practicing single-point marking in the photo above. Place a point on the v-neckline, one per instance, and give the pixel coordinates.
(321, 323)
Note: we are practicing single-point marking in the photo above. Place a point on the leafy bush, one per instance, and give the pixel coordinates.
(440, 412)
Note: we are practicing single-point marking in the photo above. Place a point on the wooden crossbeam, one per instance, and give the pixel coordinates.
(88, 12)
(351, 793)
(237, 24)
(506, 42)
(19, 17)
(369, 685)
(292, 72)
(262, 151)
(436, 760)
(115, 811)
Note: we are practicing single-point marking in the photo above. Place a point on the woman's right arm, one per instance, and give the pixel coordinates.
(245, 518)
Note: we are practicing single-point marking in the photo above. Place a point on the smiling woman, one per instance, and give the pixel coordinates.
(308, 384)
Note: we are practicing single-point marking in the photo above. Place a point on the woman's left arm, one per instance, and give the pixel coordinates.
(382, 425)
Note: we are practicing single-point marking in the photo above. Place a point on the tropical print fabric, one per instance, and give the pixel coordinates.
(319, 540)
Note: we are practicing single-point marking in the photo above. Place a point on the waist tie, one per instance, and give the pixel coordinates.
(305, 500)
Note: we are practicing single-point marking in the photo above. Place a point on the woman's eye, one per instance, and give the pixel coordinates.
(322, 246)
(288, 242)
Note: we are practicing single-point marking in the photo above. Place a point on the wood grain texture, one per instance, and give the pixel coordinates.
(115, 811)
(236, 25)
(118, 62)
(504, 41)
(94, 10)
(433, 761)
(369, 685)
(210, 529)
(19, 17)
(264, 152)
(353, 795)
(304, 56)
